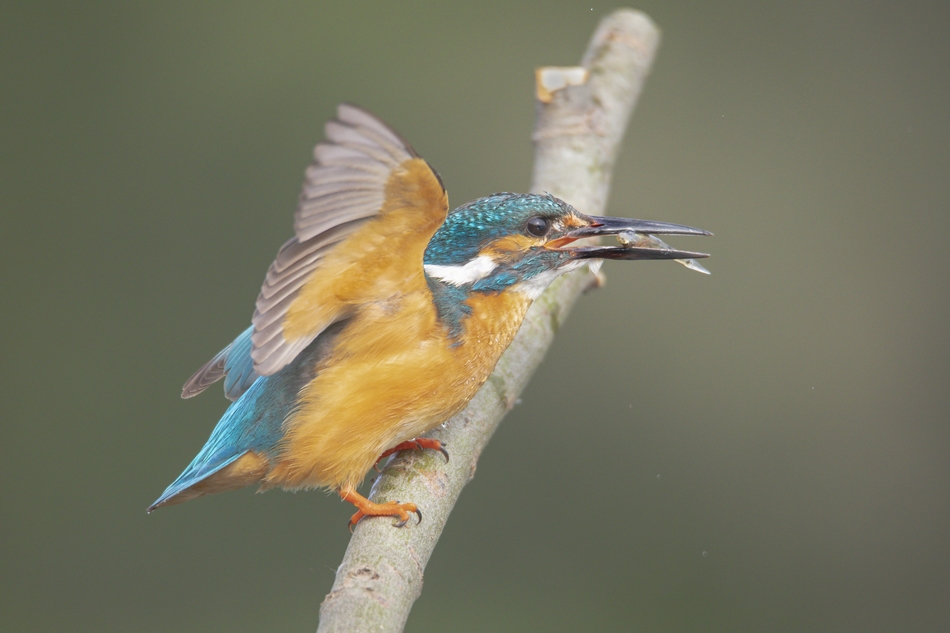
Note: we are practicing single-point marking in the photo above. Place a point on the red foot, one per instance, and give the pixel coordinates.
(416, 444)
(366, 508)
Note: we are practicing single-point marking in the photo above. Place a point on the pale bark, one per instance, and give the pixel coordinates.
(576, 137)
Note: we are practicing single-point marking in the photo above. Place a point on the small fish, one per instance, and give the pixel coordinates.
(642, 240)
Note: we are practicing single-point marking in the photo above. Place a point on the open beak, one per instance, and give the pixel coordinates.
(602, 226)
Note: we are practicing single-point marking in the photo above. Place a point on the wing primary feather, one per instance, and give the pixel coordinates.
(396, 151)
(317, 227)
(295, 250)
(358, 152)
(279, 356)
(351, 168)
(349, 134)
(288, 285)
(354, 115)
(356, 186)
(339, 200)
(207, 374)
(333, 214)
(268, 313)
(291, 275)
(328, 153)
(233, 363)
(354, 138)
(275, 274)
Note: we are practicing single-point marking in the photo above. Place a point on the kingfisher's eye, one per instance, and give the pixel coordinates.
(538, 226)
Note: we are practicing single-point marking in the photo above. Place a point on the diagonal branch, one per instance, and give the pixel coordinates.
(578, 131)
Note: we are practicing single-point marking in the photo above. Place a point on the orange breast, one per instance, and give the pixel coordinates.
(393, 375)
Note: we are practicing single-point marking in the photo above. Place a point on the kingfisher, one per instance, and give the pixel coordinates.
(382, 317)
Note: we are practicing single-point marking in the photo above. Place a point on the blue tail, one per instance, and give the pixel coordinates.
(245, 426)
(256, 421)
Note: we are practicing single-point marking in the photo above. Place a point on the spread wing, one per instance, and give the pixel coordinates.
(366, 195)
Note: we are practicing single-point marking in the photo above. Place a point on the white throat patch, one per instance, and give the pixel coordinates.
(476, 269)
(534, 286)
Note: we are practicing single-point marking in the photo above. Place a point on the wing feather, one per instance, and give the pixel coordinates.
(344, 188)
(207, 374)
(357, 116)
(233, 362)
(273, 314)
(342, 206)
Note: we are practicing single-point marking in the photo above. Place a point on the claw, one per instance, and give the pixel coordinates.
(411, 507)
(403, 522)
(432, 444)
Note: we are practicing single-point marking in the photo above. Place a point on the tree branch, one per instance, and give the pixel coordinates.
(578, 131)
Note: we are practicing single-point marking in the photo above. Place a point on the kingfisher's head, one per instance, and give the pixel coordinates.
(522, 242)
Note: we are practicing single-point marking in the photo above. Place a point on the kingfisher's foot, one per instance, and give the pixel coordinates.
(412, 445)
(366, 508)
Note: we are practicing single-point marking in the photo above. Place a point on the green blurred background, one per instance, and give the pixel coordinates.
(764, 449)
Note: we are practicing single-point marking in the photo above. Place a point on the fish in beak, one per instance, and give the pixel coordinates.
(637, 241)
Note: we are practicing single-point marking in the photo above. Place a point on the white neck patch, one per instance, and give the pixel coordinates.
(476, 269)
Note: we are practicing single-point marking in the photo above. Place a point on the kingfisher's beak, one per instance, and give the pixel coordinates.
(602, 226)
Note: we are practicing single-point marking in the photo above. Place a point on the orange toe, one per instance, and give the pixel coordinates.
(416, 444)
(366, 508)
